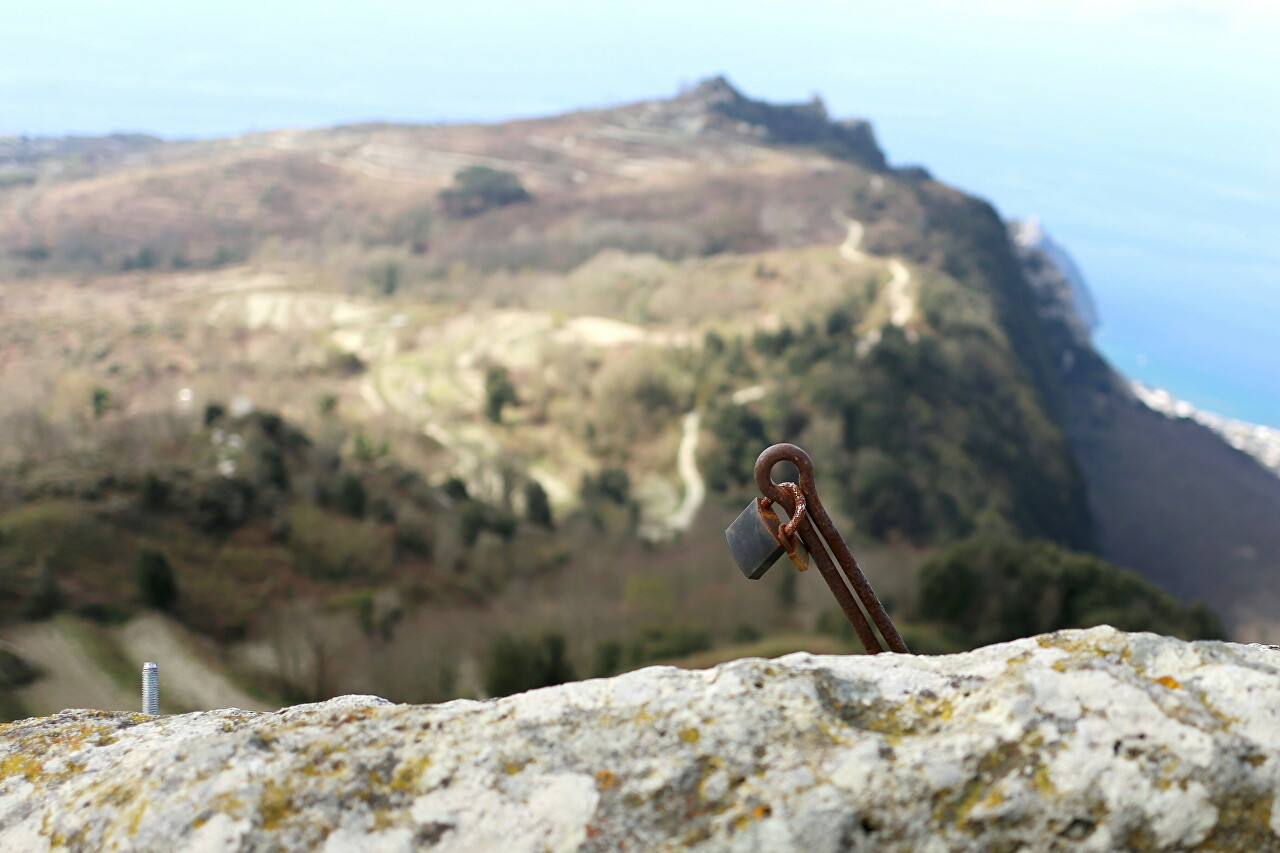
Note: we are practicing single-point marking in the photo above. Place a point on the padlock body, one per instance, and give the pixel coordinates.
(753, 547)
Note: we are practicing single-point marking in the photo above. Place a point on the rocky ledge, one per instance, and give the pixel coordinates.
(1079, 740)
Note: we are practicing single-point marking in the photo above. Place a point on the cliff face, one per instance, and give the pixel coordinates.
(1061, 292)
(716, 103)
(1080, 740)
(1170, 498)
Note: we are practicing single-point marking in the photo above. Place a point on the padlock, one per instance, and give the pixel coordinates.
(751, 543)
(754, 545)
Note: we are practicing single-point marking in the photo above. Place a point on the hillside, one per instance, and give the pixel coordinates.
(391, 401)
(1172, 499)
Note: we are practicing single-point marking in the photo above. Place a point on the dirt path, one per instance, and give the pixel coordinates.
(185, 680)
(72, 678)
(849, 249)
(695, 488)
(660, 525)
(901, 304)
(897, 294)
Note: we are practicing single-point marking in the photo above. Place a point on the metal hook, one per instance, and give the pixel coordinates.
(818, 533)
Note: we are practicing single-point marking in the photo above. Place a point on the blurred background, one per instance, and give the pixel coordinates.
(425, 351)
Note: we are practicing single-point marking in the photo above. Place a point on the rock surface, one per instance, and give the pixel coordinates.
(1079, 740)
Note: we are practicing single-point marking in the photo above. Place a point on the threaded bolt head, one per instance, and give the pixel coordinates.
(151, 688)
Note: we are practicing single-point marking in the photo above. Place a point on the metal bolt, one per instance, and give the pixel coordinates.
(150, 688)
(818, 533)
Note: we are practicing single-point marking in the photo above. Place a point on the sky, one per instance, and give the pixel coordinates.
(1145, 133)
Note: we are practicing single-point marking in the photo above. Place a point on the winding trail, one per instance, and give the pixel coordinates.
(850, 249)
(657, 526)
(901, 304)
(695, 488)
(896, 295)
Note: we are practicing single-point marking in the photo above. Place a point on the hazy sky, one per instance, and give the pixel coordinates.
(1146, 134)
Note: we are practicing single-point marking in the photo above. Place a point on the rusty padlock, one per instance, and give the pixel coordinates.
(756, 541)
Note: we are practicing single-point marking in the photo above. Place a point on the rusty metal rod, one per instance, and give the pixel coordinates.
(816, 529)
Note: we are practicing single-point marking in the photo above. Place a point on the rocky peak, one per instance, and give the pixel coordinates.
(713, 91)
(716, 105)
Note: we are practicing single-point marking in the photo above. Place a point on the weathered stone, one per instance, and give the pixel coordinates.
(1080, 740)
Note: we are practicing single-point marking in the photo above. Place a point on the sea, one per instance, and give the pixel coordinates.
(1180, 250)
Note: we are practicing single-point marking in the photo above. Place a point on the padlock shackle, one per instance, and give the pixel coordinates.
(819, 532)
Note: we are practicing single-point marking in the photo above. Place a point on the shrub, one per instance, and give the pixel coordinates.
(15, 670)
(104, 613)
(365, 449)
(665, 642)
(154, 492)
(101, 401)
(385, 278)
(335, 548)
(516, 665)
(349, 495)
(45, 598)
(155, 580)
(455, 488)
(498, 392)
(988, 590)
(478, 189)
(475, 517)
(833, 623)
(537, 509)
(611, 484)
(413, 535)
(222, 504)
(607, 659)
(143, 259)
(739, 437)
(502, 522)
(471, 521)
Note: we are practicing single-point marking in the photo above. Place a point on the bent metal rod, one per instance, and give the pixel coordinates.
(757, 539)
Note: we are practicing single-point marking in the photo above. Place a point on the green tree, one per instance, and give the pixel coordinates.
(455, 488)
(155, 579)
(154, 491)
(537, 508)
(101, 401)
(498, 392)
(45, 597)
(664, 642)
(607, 660)
(477, 189)
(365, 449)
(386, 278)
(988, 590)
(349, 495)
(472, 520)
(515, 665)
(611, 484)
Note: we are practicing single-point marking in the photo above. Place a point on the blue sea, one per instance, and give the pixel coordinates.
(1180, 246)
